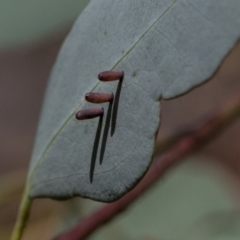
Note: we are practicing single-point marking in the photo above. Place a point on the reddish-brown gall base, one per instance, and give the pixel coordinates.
(99, 97)
(110, 76)
(89, 113)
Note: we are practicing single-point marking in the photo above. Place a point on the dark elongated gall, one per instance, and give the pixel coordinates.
(89, 113)
(110, 76)
(99, 97)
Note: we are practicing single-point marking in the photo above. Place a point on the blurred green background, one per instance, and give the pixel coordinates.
(25, 21)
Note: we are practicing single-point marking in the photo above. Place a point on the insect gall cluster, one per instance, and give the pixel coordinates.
(98, 98)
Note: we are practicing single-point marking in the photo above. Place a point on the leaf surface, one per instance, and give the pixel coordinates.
(165, 48)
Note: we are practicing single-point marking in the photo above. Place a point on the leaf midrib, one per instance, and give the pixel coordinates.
(98, 83)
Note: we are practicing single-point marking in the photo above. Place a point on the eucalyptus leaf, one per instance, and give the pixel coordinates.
(165, 48)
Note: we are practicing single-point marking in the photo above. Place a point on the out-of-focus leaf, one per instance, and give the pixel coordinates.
(28, 21)
(223, 225)
(176, 208)
(165, 48)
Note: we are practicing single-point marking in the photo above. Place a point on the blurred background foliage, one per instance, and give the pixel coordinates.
(26, 21)
(199, 199)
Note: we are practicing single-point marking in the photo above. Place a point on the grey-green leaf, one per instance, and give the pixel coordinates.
(165, 48)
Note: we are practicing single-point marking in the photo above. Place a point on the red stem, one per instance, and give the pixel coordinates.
(194, 139)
